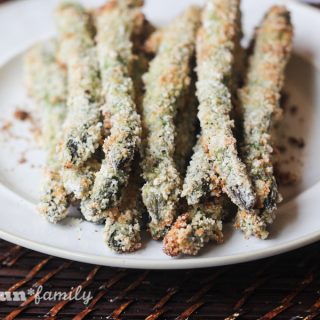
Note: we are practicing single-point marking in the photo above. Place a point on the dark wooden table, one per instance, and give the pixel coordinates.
(284, 287)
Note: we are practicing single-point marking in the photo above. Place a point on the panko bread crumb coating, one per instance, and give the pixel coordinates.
(259, 103)
(116, 23)
(167, 82)
(191, 231)
(123, 226)
(215, 57)
(46, 82)
(77, 51)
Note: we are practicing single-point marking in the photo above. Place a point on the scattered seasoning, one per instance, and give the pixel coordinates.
(284, 99)
(296, 142)
(7, 125)
(35, 128)
(285, 178)
(280, 149)
(293, 110)
(22, 115)
(22, 159)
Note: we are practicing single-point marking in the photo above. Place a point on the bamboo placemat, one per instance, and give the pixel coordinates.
(281, 287)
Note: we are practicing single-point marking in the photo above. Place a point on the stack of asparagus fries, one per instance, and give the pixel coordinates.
(150, 128)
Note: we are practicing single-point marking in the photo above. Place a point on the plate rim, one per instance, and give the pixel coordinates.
(174, 263)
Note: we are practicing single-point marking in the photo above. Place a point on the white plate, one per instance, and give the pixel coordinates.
(24, 22)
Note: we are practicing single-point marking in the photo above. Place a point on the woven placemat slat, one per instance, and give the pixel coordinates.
(217, 289)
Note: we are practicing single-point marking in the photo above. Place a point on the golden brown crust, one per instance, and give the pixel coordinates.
(192, 230)
(259, 104)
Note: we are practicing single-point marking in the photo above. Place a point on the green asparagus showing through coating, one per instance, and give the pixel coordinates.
(116, 25)
(168, 130)
(167, 82)
(46, 82)
(259, 102)
(122, 231)
(185, 123)
(201, 179)
(202, 188)
(123, 223)
(215, 57)
(78, 53)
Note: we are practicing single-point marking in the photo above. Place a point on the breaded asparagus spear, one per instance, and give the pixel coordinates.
(123, 223)
(78, 53)
(116, 23)
(202, 221)
(79, 181)
(46, 83)
(166, 82)
(201, 179)
(259, 101)
(215, 57)
(202, 187)
(193, 229)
